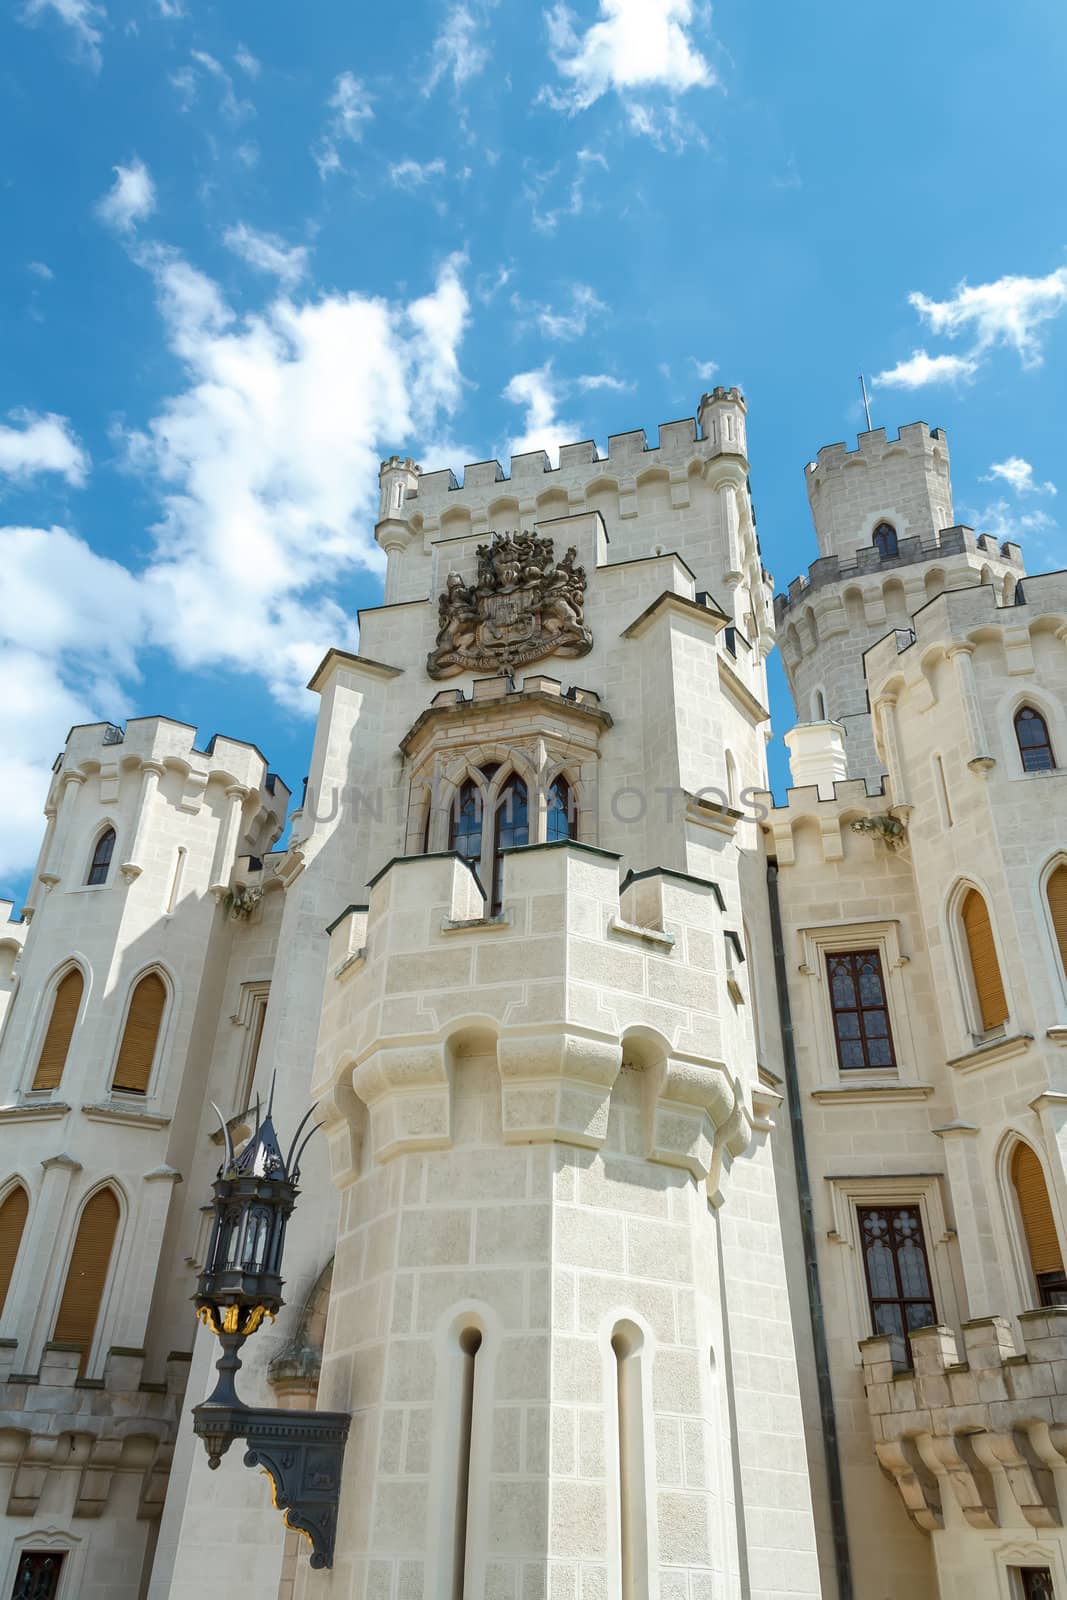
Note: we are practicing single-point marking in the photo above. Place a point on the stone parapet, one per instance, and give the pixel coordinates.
(53, 1422)
(986, 1435)
(563, 978)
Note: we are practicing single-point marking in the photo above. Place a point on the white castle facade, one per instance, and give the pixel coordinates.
(689, 1217)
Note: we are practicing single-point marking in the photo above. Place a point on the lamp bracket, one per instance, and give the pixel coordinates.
(300, 1451)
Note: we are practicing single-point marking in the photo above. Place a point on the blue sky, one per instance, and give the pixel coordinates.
(250, 250)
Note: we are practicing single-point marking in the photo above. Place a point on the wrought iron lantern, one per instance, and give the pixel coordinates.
(300, 1451)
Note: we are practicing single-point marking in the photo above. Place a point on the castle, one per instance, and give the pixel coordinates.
(687, 1221)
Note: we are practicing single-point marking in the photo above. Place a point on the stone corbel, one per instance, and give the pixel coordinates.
(950, 1457)
(685, 1103)
(557, 1086)
(154, 1485)
(407, 1092)
(916, 1484)
(343, 1118)
(30, 1476)
(732, 1138)
(94, 1482)
(1011, 1463)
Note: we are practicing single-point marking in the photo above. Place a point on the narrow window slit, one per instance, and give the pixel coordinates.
(470, 1342)
(633, 1511)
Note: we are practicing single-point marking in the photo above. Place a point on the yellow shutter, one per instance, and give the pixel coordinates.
(12, 1221)
(87, 1274)
(1036, 1211)
(988, 985)
(138, 1048)
(1057, 904)
(53, 1056)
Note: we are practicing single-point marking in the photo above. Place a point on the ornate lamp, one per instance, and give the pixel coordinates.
(301, 1451)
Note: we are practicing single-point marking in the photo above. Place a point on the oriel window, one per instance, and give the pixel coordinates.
(897, 1271)
(861, 1016)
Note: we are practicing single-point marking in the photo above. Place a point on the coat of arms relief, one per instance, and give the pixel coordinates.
(523, 605)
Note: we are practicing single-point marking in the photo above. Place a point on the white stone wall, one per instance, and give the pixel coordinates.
(493, 1139)
(938, 1131)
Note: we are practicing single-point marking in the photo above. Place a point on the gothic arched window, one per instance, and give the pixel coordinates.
(885, 539)
(98, 867)
(465, 823)
(992, 1003)
(559, 822)
(1035, 746)
(511, 827)
(65, 1005)
(1039, 1226)
(83, 1291)
(140, 1036)
(13, 1214)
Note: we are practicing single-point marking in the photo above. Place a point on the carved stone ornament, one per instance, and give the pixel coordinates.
(524, 605)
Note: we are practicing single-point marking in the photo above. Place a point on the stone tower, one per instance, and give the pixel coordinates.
(559, 1311)
(883, 519)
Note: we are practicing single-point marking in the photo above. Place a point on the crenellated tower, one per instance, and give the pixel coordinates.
(887, 543)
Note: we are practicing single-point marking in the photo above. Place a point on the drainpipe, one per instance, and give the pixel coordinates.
(839, 1528)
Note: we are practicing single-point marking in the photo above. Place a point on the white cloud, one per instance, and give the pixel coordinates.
(350, 106)
(705, 370)
(41, 444)
(265, 465)
(247, 62)
(459, 52)
(409, 174)
(1005, 521)
(591, 381)
(187, 81)
(635, 45)
(1019, 474)
(40, 269)
(266, 252)
(1009, 311)
(547, 221)
(569, 324)
(488, 285)
(81, 16)
(921, 368)
(171, 9)
(540, 393)
(131, 198)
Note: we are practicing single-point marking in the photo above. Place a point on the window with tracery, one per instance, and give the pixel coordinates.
(896, 1268)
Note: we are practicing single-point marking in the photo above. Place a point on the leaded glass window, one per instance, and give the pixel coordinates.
(860, 1012)
(898, 1276)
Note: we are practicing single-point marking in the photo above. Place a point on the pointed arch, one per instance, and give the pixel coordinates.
(511, 827)
(66, 1001)
(14, 1209)
(100, 860)
(1056, 901)
(141, 1033)
(87, 1273)
(1038, 1225)
(990, 999)
(885, 540)
(1033, 739)
(561, 817)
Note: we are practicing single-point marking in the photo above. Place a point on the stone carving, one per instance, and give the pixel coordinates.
(891, 830)
(523, 606)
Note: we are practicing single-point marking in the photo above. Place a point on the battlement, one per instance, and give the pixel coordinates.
(718, 429)
(869, 561)
(956, 614)
(572, 969)
(103, 746)
(990, 1429)
(917, 438)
